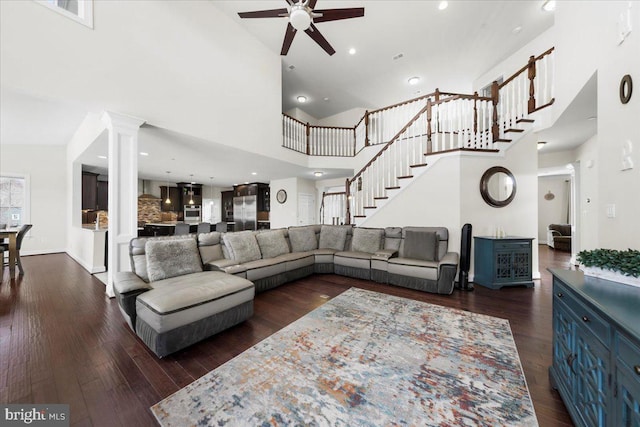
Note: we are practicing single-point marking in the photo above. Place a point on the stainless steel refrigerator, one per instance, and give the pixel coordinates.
(245, 213)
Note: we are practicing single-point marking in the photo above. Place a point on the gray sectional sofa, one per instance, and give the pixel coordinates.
(183, 289)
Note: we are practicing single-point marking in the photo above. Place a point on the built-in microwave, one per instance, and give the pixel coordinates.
(192, 213)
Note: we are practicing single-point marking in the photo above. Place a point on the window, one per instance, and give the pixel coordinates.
(78, 10)
(14, 206)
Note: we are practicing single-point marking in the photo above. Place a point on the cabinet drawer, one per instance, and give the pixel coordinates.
(588, 318)
(628, 354)
(512, 245)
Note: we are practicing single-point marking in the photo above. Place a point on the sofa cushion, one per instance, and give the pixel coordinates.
(303, 239)
(333, 237)
(210, 253)
(413, 268)
(422, 245)
(171, 258)
(242, 246)
(272, 243)
(183, 300)
(367, 240)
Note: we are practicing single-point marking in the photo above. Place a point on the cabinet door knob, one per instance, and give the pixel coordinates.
(637, 369)
(560, 294)
(585, 319)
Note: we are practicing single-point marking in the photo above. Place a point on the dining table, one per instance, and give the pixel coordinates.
(11, 234)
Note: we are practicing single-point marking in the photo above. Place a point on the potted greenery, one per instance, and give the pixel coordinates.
(611, 264)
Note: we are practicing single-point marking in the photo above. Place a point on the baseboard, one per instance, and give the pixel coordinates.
(42, 252)
(84, 265)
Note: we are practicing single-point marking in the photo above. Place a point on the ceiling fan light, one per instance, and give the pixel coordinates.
(413, 80)
(299, 18)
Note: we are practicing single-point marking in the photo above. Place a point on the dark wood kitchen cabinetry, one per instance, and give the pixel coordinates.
(186, 189)
(95, 193)
(227, 206)
(174, 196)
(255, 189)
(89, 190)
(103, 196)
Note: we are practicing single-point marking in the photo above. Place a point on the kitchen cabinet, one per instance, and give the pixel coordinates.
(255, 189)
(103, 196)
(596, 349)
(89, 190)
(174, 196)
(227, 206)
(502, 261)
(185, 189)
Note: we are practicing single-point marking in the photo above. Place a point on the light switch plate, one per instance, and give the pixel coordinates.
(611, 211)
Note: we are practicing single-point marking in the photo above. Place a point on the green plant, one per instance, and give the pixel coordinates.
(625, 262)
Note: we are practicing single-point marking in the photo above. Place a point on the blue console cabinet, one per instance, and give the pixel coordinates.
(596, 349)
(502, 261)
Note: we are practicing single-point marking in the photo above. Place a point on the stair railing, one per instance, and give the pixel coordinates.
(458, 122)
(333, 208)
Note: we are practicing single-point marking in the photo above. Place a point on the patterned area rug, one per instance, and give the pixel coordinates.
(366, 359)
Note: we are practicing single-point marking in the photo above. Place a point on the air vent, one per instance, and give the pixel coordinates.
(398, 56)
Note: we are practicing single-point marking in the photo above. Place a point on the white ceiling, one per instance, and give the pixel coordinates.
(447, 49)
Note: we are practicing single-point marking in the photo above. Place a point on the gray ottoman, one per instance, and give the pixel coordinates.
(183, 310)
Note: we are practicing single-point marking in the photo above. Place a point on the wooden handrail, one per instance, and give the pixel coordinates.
(335, 193)
(294, 119)
(330, 127)
(523, 69)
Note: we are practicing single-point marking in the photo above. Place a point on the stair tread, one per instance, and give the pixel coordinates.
(359, 216)
(421, 165)
(392, 188)
(525, 121)
(503, 140)
(405, 177)
(381, 198)
(514, 130)
(369, 207)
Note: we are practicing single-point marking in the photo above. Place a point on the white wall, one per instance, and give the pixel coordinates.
(552, 211)
(555, 159)
(44, 166)
(347, 119)
(588, 200)
(284, 214)
(581, 57)
(168, 62)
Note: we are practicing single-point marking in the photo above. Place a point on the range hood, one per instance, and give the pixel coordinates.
(144, 195)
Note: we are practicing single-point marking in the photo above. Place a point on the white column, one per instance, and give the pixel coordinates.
(123, 191)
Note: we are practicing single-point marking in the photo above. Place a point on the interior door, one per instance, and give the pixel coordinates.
(306, 209)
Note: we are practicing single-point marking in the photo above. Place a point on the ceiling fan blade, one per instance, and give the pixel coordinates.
(312, 4)
(337, 14)
(273, 13)
(313, 32)
(288, 38)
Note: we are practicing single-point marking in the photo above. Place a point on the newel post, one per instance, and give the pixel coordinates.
(495, 98)
(308, 131)
(366, 128)
(437, 94)
(532, 91)
(429, 142)
(347, 201)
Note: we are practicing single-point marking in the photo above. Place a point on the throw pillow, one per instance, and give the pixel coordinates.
(243, 246)
(366, 239)
(422, 245)
(171, 258)
(303, 239)
(272, 243)
(333, 237)
(211, 253)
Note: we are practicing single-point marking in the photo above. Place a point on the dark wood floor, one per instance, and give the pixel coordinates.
(63, 341)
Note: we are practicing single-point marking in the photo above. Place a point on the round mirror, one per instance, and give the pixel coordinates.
(498, 186)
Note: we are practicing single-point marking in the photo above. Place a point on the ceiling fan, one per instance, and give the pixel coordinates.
(302, 16)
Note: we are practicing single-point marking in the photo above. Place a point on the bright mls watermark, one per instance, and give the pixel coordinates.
(34, 415)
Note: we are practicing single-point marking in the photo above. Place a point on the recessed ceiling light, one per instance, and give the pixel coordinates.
(102, 157)
(541, 144)
(443, 5)
(326, 99)
(302, 99)
(142, 153)
(254, 173)
(549, 6)
(352, 51)
(318, 173)
(413, 80)
(517, 30)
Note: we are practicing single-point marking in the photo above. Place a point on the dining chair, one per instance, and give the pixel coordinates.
(204, 227)
(5, 246)
(181, 229)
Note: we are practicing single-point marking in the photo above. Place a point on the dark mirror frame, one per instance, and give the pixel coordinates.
(484, 187)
